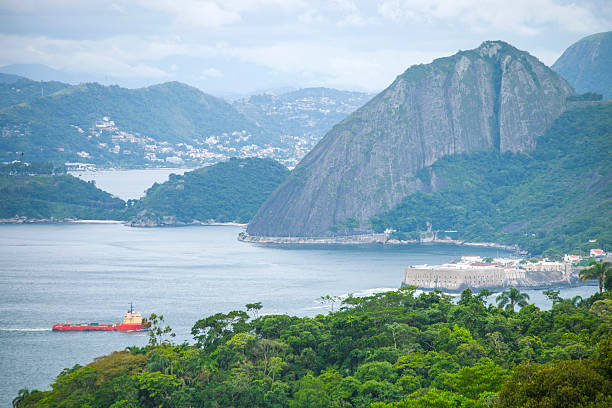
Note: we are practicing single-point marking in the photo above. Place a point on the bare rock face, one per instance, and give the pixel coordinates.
(493, 97)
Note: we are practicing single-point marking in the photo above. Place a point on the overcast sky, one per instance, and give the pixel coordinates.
(238, 46)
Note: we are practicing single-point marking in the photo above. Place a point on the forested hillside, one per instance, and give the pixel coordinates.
(230, 191)
(393, 349)
(15, 89)
(551, 200)
(110, 126)
(55, 196)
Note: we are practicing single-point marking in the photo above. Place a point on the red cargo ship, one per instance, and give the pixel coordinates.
(131, 322)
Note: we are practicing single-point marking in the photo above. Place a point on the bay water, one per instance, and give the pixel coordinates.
(127, 184)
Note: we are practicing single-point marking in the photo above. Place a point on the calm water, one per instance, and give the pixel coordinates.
(127, 184)
(90, 272)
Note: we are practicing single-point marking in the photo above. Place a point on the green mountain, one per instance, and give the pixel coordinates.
(552, 200)
(389, 350)
(494, 98)
(9, 78)
(16, 90)
(586, 64)
(110, 126)
(37, 192)
(230, 191)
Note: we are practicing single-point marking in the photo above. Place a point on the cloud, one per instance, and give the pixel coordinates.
(103, 57)
(194, 13)
(244, 43)
(211, 73)
(333, 65)
(527, 17)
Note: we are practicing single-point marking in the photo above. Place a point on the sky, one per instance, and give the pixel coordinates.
(228, 47)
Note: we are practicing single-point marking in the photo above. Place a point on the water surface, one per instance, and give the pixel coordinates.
(127, 184)
(90, 272)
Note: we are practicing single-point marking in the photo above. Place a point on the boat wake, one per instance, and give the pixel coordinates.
(17, 329)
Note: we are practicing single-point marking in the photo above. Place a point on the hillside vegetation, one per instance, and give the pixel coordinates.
(15, 90)
(393, 349)
(60, 125)
(551, 200)
(55, 196)
(230, 191)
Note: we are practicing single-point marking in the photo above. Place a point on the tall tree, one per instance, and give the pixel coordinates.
(509, 298)
(597, 270)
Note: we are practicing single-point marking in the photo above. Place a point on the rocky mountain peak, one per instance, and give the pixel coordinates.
(492, 97)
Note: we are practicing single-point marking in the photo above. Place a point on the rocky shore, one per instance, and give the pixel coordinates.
(363, 239)
(147, 219)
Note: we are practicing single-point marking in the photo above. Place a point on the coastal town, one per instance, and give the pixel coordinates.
(112, 139)
(477, 272)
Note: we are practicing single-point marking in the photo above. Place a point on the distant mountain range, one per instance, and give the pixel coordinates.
(109, 126)
(40, 72)
(300, 118)
(587, 64)
(166, 124)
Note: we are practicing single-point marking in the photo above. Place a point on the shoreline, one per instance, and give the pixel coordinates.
(112, 169)
(365, 239)
(52, 220)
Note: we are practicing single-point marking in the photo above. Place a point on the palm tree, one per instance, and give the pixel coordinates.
(509, 298)
(597, 271)
(23, 394)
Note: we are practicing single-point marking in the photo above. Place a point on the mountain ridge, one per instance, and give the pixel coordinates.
(586, 64)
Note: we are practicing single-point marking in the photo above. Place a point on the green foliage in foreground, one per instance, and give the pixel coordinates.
(55, 196)
(230, 191)
(392, 349)
(552, 200)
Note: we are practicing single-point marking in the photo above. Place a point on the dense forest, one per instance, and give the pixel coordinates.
(552, 200)
(44, 191)
(393, 349)
(230, 191)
